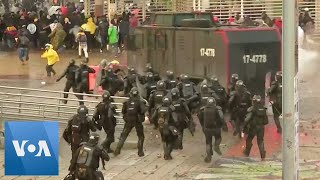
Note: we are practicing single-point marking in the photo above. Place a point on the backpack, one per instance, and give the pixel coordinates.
(261, 114)
(84, 161)
(76, 131)
(82, 38)
(210, 118)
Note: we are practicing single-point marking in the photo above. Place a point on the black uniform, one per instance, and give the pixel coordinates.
(70, 74)
(168, 131)
(133, 114)
(156, 98)
(155, 74)
(151, 85)
(85, 162)
(239, 102)
(211, 119)
(78, 129)
(275, 92)
(109, 82)
(82, 78)
(171, 81)
(232, 86)
(181, 116)
(104, 117)
(188, 92)
(220, 92)
(254, 124)
(130, 81)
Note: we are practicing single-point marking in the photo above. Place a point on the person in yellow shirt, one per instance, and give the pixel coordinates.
(52, 56)
(89, 29)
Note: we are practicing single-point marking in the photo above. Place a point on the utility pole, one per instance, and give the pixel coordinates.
(290, 145)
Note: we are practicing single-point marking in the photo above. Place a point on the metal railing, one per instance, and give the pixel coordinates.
(38, 104)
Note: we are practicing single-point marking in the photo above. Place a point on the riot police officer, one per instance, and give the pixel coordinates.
(211, 119)
(233, 81)
(70, 74)
(181, 116)
(130, 80)
(171, 81)
(108, 81)
(206, 93)
(133, 114)
(85, 163)
(82, 79)
(275, 92)
(78, 128)
(188, 92)
(239, 102)
(104, 117)
(220, 91)
(155, 99)
(156, 75)
(254, 124)
(151, 84)
(168, 131)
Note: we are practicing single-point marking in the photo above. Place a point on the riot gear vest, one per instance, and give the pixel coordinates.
(243, 100)
(71, 75)
(133, 108)
(76, 128)
(84, 75)
(260, 115)
(171, 84)
(211, 120)
(158, 96)
(163, 116)
(177, 106)
(219, 90)
(85, 158)
(204, 98)
(187, 90)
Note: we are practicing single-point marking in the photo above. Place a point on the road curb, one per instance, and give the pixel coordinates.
(1, 134)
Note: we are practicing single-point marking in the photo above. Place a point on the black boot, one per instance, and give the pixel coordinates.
(246, 152)
(169, 147)
(207, 159)
(217, 149)
(140, 147)
(87, 60)
(119, 147)
(106, 145)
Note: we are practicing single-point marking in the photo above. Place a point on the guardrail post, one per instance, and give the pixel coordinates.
(59, 100)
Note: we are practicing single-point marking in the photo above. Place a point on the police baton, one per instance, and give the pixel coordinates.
(275, 107)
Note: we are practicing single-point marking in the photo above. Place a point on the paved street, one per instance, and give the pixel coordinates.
(187, 163)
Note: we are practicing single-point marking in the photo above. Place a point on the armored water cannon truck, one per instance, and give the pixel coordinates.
(193, 44)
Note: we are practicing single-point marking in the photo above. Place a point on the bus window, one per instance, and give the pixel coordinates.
(180, 17)
(164, 19)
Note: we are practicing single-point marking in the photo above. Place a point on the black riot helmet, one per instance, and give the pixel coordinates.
(214, 80)
(106, 95)
(72, 62)
(82, 110)
(234, 78)
(278, 76)
(169, 75)
(211, 102)
(161, 85)
(94, 138)
(204, 88)
(150, 76)
(134, 92)
(132, 71)
(149, 68)
(185, 78)
(166, 101)
(109, 70)
(240, 85)
(256, 99)
(175, 93)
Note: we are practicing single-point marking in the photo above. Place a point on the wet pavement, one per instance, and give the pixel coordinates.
(188, 163)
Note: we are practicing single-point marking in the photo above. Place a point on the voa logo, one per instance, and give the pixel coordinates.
(42, 148)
